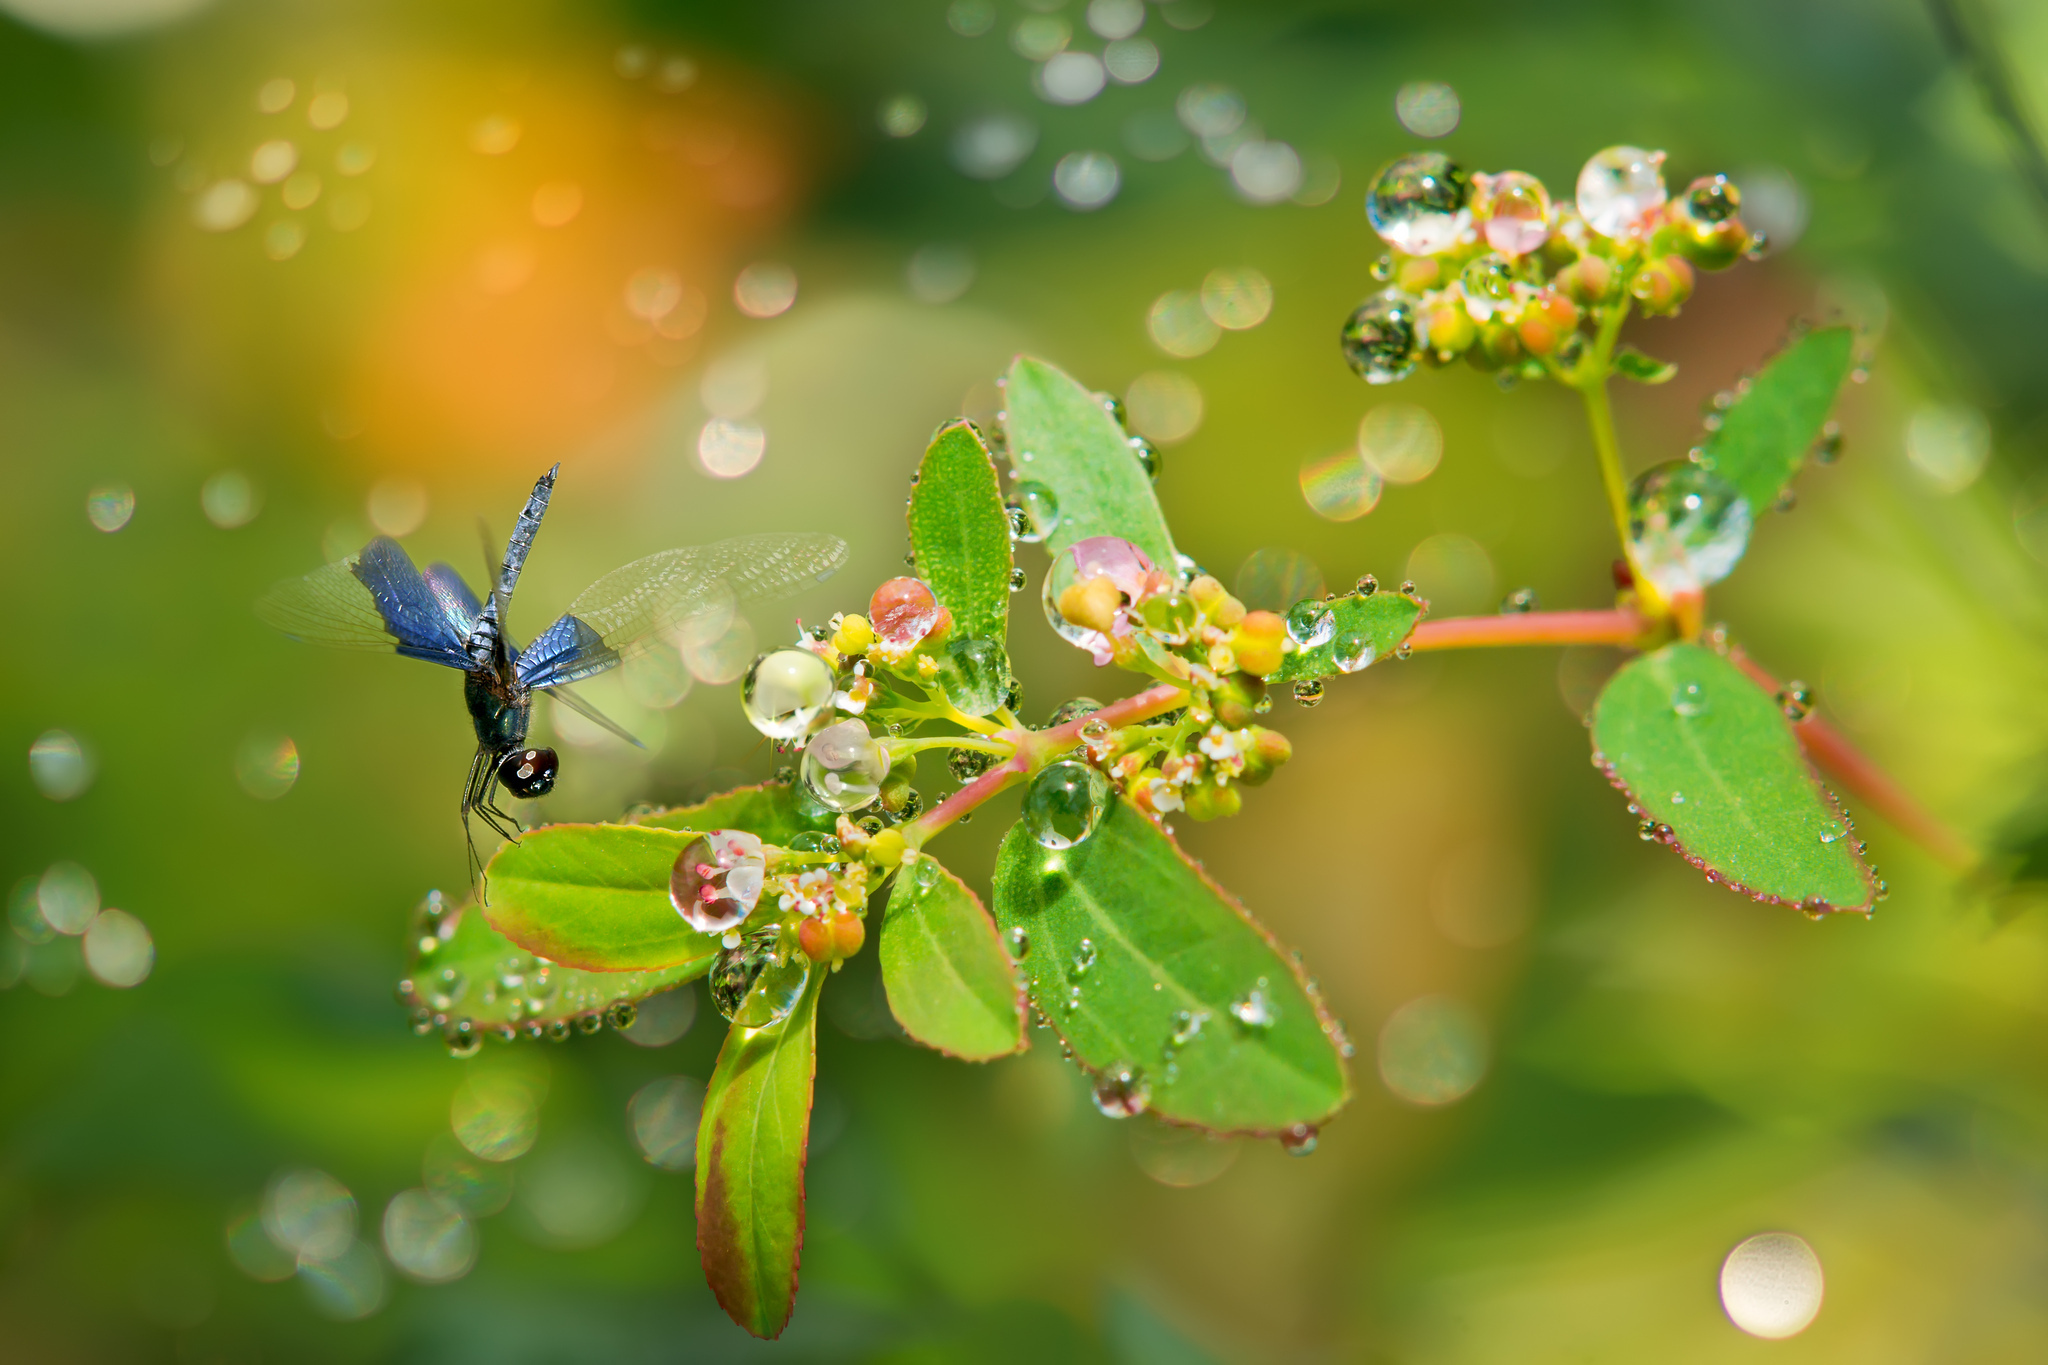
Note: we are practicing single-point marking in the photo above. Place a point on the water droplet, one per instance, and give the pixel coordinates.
(1366, 586)
(1678, 798)
(786, 691)
(1828, 448)
(1381, 340)
(1035, 511)
(1149, 458)
(1309, 692)
(844, 766)
(1689, 699)
(903, 611)
(761, 980)
(1418, 203)
(1187, 1026)
(1488, 280)
(464, 1042)
(716, 881)
(1795, 699)
(1084, 958)
(1688, 526)
(1255, 1008)
(1020, 944)
(1512, 210)
(1018, 578)
(1079, 607)
(1299, 1139)
(1311, 623)
(1832, 832)
(1353, 651)
(1066, 802)
(1618, 186)
(1519, 601)
(110, 506)
(1122, 1091)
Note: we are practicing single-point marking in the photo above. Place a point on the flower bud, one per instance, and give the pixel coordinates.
(1588, 279)
(1498, 347)
(1269, 749)
(1092, 603)
(1663, 285)
(1714, 246)
(1207, 593)
(886, 848)
(854, 635)
(1418, 274)
(1450, 330)
(1205, 800)
(1258, 643)
(1235, 697)
(1544, 325)
(832, 937)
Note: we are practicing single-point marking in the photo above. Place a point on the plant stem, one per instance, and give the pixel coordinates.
(1035, 749)
(1590, 379)
(1867, 782)
(1619, 627)
(998, 746)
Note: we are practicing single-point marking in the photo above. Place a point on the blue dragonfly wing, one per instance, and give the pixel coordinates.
(372, 600)
(623, 610)
(456, 601)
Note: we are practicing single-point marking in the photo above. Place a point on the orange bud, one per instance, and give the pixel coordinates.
(829, 938)
(1092, 603)
(1257, 643)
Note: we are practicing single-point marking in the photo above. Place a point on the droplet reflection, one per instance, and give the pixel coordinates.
(765, 289)
(1181, 1157)
(1432, 1051)
(664, 1115)
(267, 765)
(1401, 441)
(496, 1114)
(109, 506)
(230, 500)
(1341, 486)
(59, 765)
(428, 1238)
(1772, 1285)
(118, 949)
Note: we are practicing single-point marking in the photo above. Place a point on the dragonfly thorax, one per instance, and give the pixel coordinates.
(499, 707)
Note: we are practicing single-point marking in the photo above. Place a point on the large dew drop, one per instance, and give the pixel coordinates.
(844, 766)
(760, 981)
(1311, 623)
(1513, 211)
(1381, 341)
(785, 691)
(1035, 512)
(1418, 203)
(1065, 804)
(1122, 1092)
(716, 881)
(1618, 186)
(1687, 526)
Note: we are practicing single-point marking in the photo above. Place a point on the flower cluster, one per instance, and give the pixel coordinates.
(1491, 268)
(1105, 596)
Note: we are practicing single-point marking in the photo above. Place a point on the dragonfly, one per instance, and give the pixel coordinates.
(377, 599)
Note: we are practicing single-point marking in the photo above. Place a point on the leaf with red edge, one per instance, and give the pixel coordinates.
(951, 983)
(1145, 965)
(750, 1166)
(1714, 769)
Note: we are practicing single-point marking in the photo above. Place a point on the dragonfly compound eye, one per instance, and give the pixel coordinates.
(528, 773)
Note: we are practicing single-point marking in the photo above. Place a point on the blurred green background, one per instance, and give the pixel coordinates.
(500, 235)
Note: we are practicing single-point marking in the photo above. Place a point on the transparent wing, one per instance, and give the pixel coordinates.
(372, 600)
(456, 601)
(664, 590)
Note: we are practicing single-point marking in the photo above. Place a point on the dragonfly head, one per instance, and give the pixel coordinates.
(528, 773)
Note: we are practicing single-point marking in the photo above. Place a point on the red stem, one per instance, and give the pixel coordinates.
(1033, 747)
(1867, 782)
(1619, 627)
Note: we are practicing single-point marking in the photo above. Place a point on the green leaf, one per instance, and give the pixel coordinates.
(1706, 755)
(960, 534)
(1631, 363)
(465, 978)
(1129, 945)
(769, 810)
(750, 1165)
(951, 983)
(595, 897)
(1060, 435)
(1378, 623)
(1764, 437)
